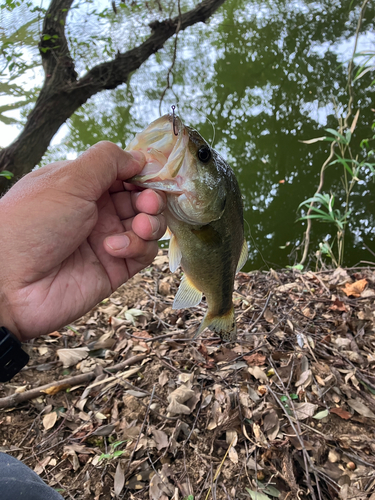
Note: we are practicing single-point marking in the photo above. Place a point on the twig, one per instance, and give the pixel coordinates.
(260, 315)
(220, 466)
(60, 385)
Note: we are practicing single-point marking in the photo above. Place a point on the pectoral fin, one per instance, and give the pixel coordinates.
(187, 295)
(224, 325)
(167, 235)
(243, 257)
(174, 254)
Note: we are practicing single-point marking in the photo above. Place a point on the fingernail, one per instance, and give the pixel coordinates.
(118, 241)
(155, 224)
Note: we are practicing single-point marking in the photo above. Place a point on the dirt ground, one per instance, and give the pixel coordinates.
(122, 404)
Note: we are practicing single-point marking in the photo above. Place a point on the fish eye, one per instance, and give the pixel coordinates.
(204, 154)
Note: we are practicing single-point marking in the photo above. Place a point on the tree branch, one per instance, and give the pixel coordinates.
(113, 73)
(53, 47)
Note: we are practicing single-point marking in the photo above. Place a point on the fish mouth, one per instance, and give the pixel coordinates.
(164, 151)
(160, 185)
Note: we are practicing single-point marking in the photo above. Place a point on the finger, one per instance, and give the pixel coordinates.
(117, 186)
(149, 227)
(128, 245)
(149, 201)
(129, 204)
(96, 170)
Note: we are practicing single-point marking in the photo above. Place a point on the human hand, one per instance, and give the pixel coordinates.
(70, 234)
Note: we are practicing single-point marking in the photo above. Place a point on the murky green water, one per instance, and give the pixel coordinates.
(267, 75)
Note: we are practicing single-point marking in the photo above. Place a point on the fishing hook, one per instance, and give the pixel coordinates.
(174, 120)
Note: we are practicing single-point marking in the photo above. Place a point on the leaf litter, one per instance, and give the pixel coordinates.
(121, 404)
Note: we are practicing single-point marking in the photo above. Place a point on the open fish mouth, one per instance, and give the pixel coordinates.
(164, 152)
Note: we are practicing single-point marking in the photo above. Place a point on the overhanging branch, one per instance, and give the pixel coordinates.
(113, 73)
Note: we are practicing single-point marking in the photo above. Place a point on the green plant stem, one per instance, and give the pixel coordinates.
(309, 221)
(343, 125)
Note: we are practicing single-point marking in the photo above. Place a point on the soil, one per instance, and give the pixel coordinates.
(286, 411)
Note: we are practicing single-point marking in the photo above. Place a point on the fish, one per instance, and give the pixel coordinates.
(204, 216)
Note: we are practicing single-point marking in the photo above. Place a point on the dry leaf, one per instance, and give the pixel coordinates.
(119, 480)
(177, 398)
(71, 357)
(360, 408)
(255, 359)
(49, 420)
(305, 379)
(268, 316)
(355, 289)
(271, 424)
(258, 373)
(39, 468)
(161, 439)
(163, 378)
(304, 410)
(338, 306)
(233, 455)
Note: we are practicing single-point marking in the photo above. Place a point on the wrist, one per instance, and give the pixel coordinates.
(6, 319)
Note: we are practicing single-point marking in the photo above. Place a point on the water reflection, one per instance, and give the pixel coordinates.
(267, 75)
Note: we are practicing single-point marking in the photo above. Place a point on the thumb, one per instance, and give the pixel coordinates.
(99, 167)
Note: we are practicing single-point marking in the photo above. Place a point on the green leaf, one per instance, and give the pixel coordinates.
(269, 489)
(337, 134)
(46, 37)
(5, 173)
(256, 495)
(321, 414)
(297, 267)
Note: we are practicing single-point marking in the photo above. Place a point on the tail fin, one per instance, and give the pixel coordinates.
(224, 325)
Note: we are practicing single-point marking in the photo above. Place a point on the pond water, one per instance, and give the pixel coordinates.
(257, 79)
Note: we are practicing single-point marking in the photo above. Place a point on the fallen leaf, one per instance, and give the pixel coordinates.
(177, 398)
(304, 410)
(255, 359)
(71, 357)
(49, 420)
(161, 439)
(256, 495)
(163, 378)
(360, 408)
(355, 289)
(119, 480)
(233, 455)
(39, 468)
(259, 374)
(305, 379)
(338, 306)
(321, 414)
(268, 316)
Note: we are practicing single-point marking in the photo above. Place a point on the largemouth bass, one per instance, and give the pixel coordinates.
(204, 215)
